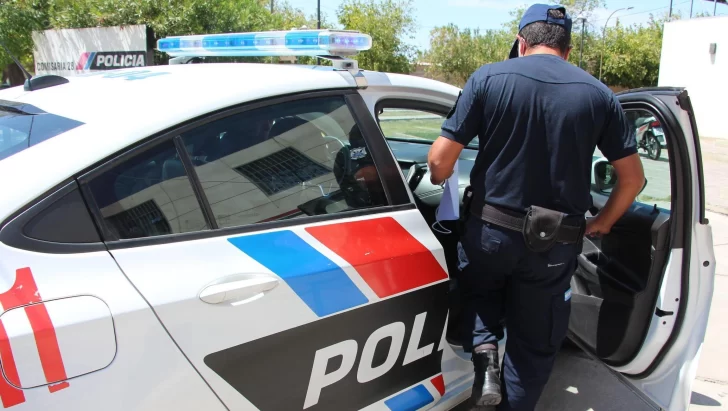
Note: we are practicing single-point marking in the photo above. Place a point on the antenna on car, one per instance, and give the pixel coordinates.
(25, 72)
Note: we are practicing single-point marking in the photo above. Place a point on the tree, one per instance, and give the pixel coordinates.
(582, 8)
(632, 54)
(390, 23)
(455, 54)
(171, 17)
(18, 18)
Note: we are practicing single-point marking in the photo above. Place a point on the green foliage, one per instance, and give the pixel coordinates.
(582, 8)
(170, 17)
(18, 18)
(390, 23)
(631, 54)
(455, 54)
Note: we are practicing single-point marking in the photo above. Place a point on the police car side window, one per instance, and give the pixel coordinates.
(652, 148)
(148, 195)
(397, 121)
(288, 160)
(410, 124)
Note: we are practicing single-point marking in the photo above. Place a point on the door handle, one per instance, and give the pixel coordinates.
(238, 290)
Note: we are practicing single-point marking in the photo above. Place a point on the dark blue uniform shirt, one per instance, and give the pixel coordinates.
(539, 119)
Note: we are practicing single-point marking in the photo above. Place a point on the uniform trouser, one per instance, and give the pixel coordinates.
(502, 280)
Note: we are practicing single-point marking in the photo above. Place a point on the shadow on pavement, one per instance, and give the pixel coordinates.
(699, 399)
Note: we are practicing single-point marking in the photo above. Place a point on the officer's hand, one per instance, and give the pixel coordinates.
(596, 227)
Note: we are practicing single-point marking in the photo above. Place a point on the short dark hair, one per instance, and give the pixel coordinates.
(550, 35)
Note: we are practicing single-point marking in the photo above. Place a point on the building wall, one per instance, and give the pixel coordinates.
(686, 62)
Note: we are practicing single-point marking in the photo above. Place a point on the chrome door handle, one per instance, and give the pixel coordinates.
(239, 289)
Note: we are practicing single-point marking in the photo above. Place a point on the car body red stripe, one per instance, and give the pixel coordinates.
(388, 257)
(25, 291)
(9, 395)
(47, 342)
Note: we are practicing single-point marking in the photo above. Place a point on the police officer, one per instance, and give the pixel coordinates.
(538, 119)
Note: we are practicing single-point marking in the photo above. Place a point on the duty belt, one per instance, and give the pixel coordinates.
(565, 233)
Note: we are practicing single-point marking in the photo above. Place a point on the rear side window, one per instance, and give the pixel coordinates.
(23, 126)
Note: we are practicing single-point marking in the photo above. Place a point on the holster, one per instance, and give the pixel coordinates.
(541, 228)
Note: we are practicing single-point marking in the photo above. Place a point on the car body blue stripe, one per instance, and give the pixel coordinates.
(317, 280)
(410, 400)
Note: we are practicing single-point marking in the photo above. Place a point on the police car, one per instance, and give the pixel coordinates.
(250, 236)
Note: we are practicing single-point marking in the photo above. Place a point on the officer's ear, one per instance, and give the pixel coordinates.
(522, 46)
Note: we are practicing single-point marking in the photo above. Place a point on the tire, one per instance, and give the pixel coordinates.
(652, 145)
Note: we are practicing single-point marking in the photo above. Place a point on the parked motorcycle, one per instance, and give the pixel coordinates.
(650, 136)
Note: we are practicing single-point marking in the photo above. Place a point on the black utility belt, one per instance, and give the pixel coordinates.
(541, 227)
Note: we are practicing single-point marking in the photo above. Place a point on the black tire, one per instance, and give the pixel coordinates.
(652, 145)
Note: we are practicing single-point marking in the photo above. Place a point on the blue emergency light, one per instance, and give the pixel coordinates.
(272, 43)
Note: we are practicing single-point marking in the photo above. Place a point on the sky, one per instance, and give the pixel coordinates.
(491, 14)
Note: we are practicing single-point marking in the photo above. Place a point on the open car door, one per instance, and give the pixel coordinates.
(641, 294)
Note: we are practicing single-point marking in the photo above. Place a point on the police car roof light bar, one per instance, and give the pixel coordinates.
(315, 43)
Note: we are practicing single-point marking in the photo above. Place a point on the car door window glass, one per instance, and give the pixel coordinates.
(148, 195)
(652, 149)
(411, 124)
(288, 160)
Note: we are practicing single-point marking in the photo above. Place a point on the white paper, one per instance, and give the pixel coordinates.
(449, 208)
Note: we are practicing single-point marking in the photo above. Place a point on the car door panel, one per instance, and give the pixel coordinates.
(340, 283)
(614, 278)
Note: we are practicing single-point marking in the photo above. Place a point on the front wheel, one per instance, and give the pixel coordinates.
(653, 146)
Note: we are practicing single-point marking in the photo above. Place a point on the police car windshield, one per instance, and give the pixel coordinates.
(22, 126)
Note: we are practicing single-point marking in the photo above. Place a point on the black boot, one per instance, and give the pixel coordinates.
(487, 384)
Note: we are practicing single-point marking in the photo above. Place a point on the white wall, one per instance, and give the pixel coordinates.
(686, 62)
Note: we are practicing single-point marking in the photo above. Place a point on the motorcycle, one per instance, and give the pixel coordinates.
(650, 136)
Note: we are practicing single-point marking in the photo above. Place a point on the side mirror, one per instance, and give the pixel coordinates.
(605, 177)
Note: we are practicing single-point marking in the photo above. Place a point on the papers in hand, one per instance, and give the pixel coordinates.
(449, 208)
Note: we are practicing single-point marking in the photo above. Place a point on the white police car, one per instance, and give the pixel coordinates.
(241, 236)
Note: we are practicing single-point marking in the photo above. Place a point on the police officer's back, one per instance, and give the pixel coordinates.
(538, 119)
